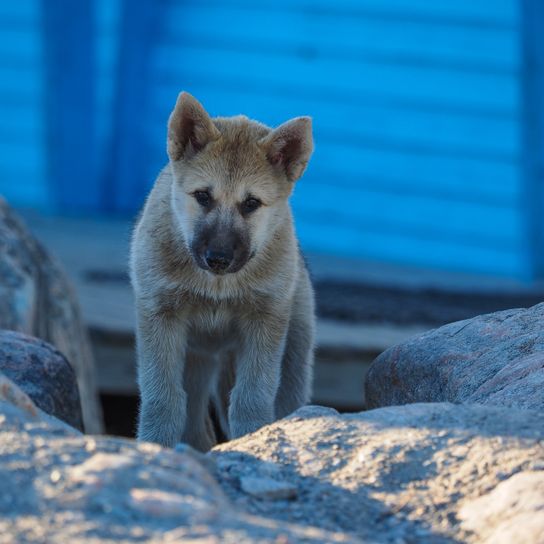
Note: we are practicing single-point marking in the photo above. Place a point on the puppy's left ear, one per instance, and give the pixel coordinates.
(190, 128)
(290, 146)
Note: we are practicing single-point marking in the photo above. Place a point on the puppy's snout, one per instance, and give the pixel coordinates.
(218, 261)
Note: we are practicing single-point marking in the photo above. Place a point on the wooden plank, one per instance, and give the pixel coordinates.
(439, 174)
(22, 176)
(396, 247)
(19, 45)
(107, 41)
(69, 100)
(339, 78)
(482, 13)
(473, 224)
(22, 192)
(21, 122)
(24, 78)
(340, 36)
(533, 135)
(139, 29)
(395, 172)
(370, 124)
(22, 159)
(23, 11)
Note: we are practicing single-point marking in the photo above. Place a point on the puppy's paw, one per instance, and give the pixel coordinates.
(240, 428)
(164, 427)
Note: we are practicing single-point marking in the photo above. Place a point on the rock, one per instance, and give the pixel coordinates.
(493, 359)
(397, 474)
(43, 374)
(267, 488)
(61, 486)
(9, 392)
(438, 472)
(204, 459)
(512, 512)
(37, 299)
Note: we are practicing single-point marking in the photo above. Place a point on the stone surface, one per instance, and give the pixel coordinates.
(43, 374)
(267, 488)
(37, 299)
(61, 486)
(512, 512)
(11, 393)
(398, 474)
(438, 473)
(491, 359)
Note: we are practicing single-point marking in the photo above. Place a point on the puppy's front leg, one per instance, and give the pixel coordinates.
(258, 370)
(161, 341)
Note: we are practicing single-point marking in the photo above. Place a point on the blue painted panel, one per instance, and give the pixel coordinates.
(416, 114)
(69, 101)
(21, 122)
(424, 216)
(107, 14)
(352, 79)
(373, 38)
(464, 134)
(399, 173)
(138, 34)
(483, 13)
(532, 82)
(23, 12)
(21, 80)
(22, 133)
(19, 45)
(320, 234)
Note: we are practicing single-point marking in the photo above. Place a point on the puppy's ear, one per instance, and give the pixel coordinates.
(190, 128)
(290, 146)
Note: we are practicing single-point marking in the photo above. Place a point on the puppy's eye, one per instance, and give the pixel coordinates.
(203, 198)
(250, 204)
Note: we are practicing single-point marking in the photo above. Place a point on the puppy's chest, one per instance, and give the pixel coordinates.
(211, 318)
(214, 326)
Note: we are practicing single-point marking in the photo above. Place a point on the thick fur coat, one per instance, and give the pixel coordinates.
(225, 307)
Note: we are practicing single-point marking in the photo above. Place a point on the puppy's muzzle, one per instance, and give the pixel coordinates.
(218, 261)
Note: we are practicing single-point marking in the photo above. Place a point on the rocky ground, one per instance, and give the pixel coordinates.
(452, 451)
(418, 473)
(494, 359)
(37, 299)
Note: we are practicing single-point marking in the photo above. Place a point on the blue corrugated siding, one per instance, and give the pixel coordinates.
(416, 108)
(22, 116)
(107, 42)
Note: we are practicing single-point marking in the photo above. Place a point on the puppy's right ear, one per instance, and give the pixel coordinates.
(190, 128)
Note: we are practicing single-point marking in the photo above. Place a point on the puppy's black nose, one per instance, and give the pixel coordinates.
(218, 261)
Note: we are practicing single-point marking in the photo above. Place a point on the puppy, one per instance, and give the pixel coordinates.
(224, 303)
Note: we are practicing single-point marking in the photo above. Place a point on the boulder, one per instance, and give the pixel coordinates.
(439, 473)
(495, 359)
(37, 299)
(417, 473)
(43, 373)
(511, 513)
(61, 486)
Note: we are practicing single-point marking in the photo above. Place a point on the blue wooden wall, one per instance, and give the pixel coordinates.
(420, 115)
(22, 115)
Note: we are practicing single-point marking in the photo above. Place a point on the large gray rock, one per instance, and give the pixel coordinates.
(511, 513)
(61, 486)
(43, 373)
(37, 299)
(417, 473)
(491, 359)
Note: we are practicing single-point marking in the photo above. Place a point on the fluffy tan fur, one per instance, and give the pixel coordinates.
(242, 341)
